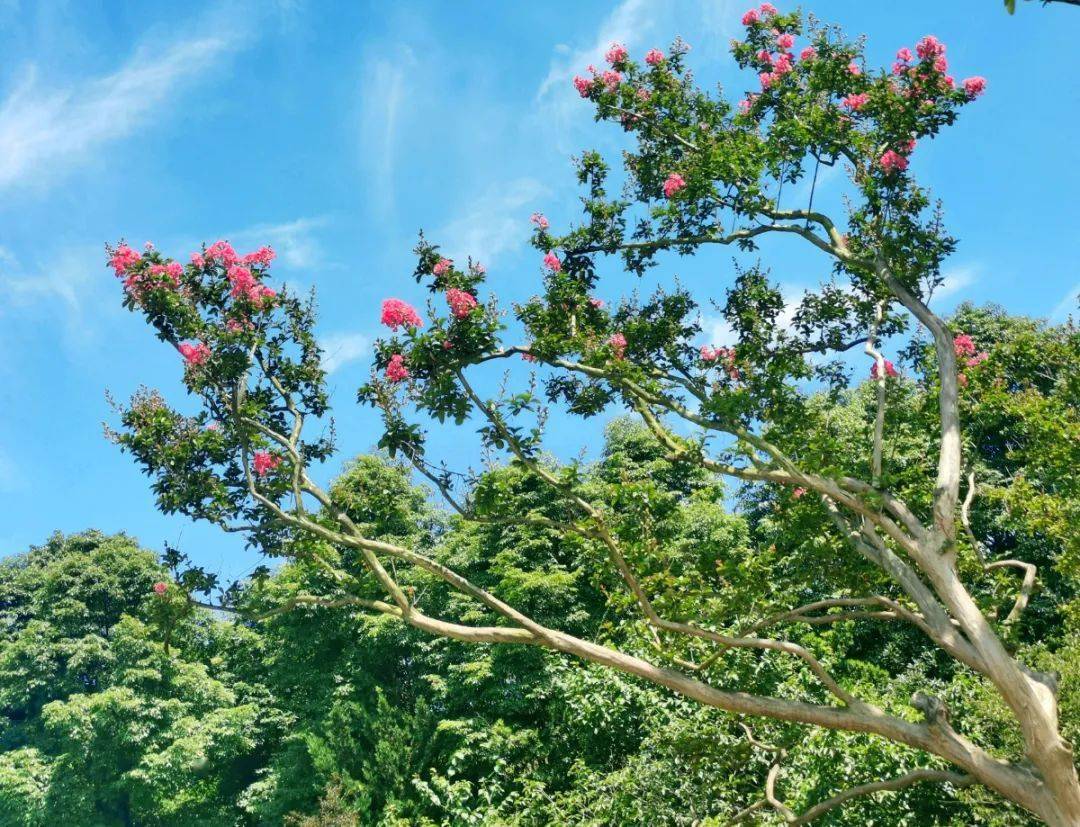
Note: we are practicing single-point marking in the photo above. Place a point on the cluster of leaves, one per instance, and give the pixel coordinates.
(355, 719)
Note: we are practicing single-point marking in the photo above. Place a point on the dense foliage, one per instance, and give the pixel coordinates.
(901, 503)
(124, 705)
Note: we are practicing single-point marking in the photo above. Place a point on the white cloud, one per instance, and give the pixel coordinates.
(1067, 306)
(73, 286)
(628, 23)
(956, 280)
(380, 113)
(341, 348)
(294, 241)
(45, 130)
(494, 223)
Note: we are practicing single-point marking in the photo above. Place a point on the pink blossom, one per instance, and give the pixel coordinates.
(597, 303)
(654, 57)
(904, 55)
(765, 57)
(583, 85)
(907, 148)
(447, 344)
(929, 47)
(708, 354)
(643, 94)
(246, 286)
(552, 263)
(941, 64)
(673, 184)
(616, 54)
(962, 379)
(478, 268)
(160, 588)
(611, 80)
(539, 220)
(221, 252)
(963, 345)
(891, 161)
(441, 266)
(263, 256)
(809, 53)
(768, 10)
(194, 355)
(974, 86)
(397, 313)
(528, 357)
(123, 258)
(198, 260)
(855, 102)
(950, 81)
(782, 65)
(238, 325)
(461, 303)
(799, 493)
(396, 370)
(263, 462)
(854, 68)
(768, 79)
(899, 68)
(890, 369)
(617, 342)
(750, 17)
(175, 270)
(977, 359)
(722, 355)
(785, 41)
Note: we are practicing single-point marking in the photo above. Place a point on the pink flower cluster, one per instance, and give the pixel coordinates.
(123, 258)
(974, 86)
(246, 286)
(809, 53)
(855, 102)
(441, 266)
(720, 355)
(967, 352)
(552, 263)
(611, 80)
(654, 57)
(762, 12)
(929, 48)
(583, 85)
(262, 257)
(461, 303)
(396, 313)
(616, 54)
(194, 354)
(263, 462)
(160, 588)
(673, 184)
(617, 343)
(893, 161)
(540, 221)
(222, 253)
(396, 370)
(890, 370)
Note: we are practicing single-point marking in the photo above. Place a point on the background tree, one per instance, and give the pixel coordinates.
(702, 174)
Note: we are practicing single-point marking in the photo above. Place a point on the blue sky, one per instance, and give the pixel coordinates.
(335, 131)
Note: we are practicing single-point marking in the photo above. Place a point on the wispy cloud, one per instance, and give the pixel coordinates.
(955, 281)
(1068, 306)
(493, 224)
(72, 287)
(45, 130)
(295, 242)
(341, 348)
(380, 112)
(628, 23)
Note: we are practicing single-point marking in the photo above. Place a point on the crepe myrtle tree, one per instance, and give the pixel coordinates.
(703, 172)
